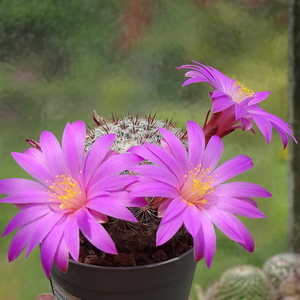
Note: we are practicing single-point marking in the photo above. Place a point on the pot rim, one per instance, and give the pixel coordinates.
(83, 265)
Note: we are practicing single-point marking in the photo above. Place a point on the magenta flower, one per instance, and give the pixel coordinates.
(75, 192)
(195, 192)
(235, 106)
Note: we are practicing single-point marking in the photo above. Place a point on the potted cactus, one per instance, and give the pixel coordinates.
(136, 196)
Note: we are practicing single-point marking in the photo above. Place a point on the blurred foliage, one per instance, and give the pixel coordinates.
(60, 60)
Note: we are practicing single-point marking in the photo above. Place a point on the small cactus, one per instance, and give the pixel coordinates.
(136, 237)
(244, 282)
(289, 288)
(132, 130)
(283, 271)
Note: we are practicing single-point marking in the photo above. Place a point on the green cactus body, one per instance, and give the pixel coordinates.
(280, 265)
(242, 282)
(283, 271)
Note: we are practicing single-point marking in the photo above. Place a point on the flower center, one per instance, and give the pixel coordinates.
(241, 92)
(67, 192)
(198, 185)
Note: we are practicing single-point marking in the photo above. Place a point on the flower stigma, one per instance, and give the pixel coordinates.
(68, 192)
(198, 185)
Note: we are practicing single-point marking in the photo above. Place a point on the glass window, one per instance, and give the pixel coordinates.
(60, 60)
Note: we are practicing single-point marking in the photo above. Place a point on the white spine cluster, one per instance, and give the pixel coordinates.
(132, 130)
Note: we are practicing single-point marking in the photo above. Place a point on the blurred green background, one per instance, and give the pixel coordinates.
(60, 60)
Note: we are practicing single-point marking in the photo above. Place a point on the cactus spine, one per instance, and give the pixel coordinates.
(139, 236)
(243, 282)
(283, 271)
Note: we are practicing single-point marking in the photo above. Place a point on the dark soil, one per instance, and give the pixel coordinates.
(135, 257)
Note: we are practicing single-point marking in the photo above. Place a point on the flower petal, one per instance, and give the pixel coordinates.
(147, 187)
(49, 247)
(239, 207)
(37, 170)
(95, 232)
(25, 216)
(177, 148)
(52, 153)
(209, 238)
(231, 168)
(110, 206)
(27, 197)
(196, 142)
(241, 189)
(17, 185)
(96, 154)
(213, 153)
(73, 147)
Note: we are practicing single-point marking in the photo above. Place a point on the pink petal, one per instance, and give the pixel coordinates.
(259, 96)
(175, 208)
(225, 223)
(73, 147)
(209, 238)
(240, 111)
(26, 216)
(161, 158)
(199, 246)
(196, 142)
(49, 247)
(79, 129)
(213, 153)
(61, 258)
(239, 207)
(52, 153)
(29, 197)
(96, 155)
(157, 173)
(231, 168)
(163, 207)
(191, 220)
(17, 185)
(147, 187)
(19, 241)
(36, 154)
(167, 230)
(246, 124)
(94, 232)
(115, 165)
(221, 101)
(177, 148)
(241, 189)
(110, 206)
(42, 227)
(241, 229)
(112, 183)
(264, 126)
(37, 170)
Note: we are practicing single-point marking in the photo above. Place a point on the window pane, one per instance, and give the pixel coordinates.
(60, 60)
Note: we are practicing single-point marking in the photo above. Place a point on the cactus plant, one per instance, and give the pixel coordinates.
(283, 271)
(134, 239)
(280, 266)
(243, 282)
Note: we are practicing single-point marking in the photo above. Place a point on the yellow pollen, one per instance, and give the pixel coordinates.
(67, 192)
(197, 186)
(244, 90)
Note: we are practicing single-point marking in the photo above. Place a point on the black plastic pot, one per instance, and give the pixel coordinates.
(168, 280)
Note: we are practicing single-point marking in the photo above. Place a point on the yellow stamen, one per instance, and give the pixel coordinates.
(197, 186)
(239, 92)
(244, 89)
(68, 192)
